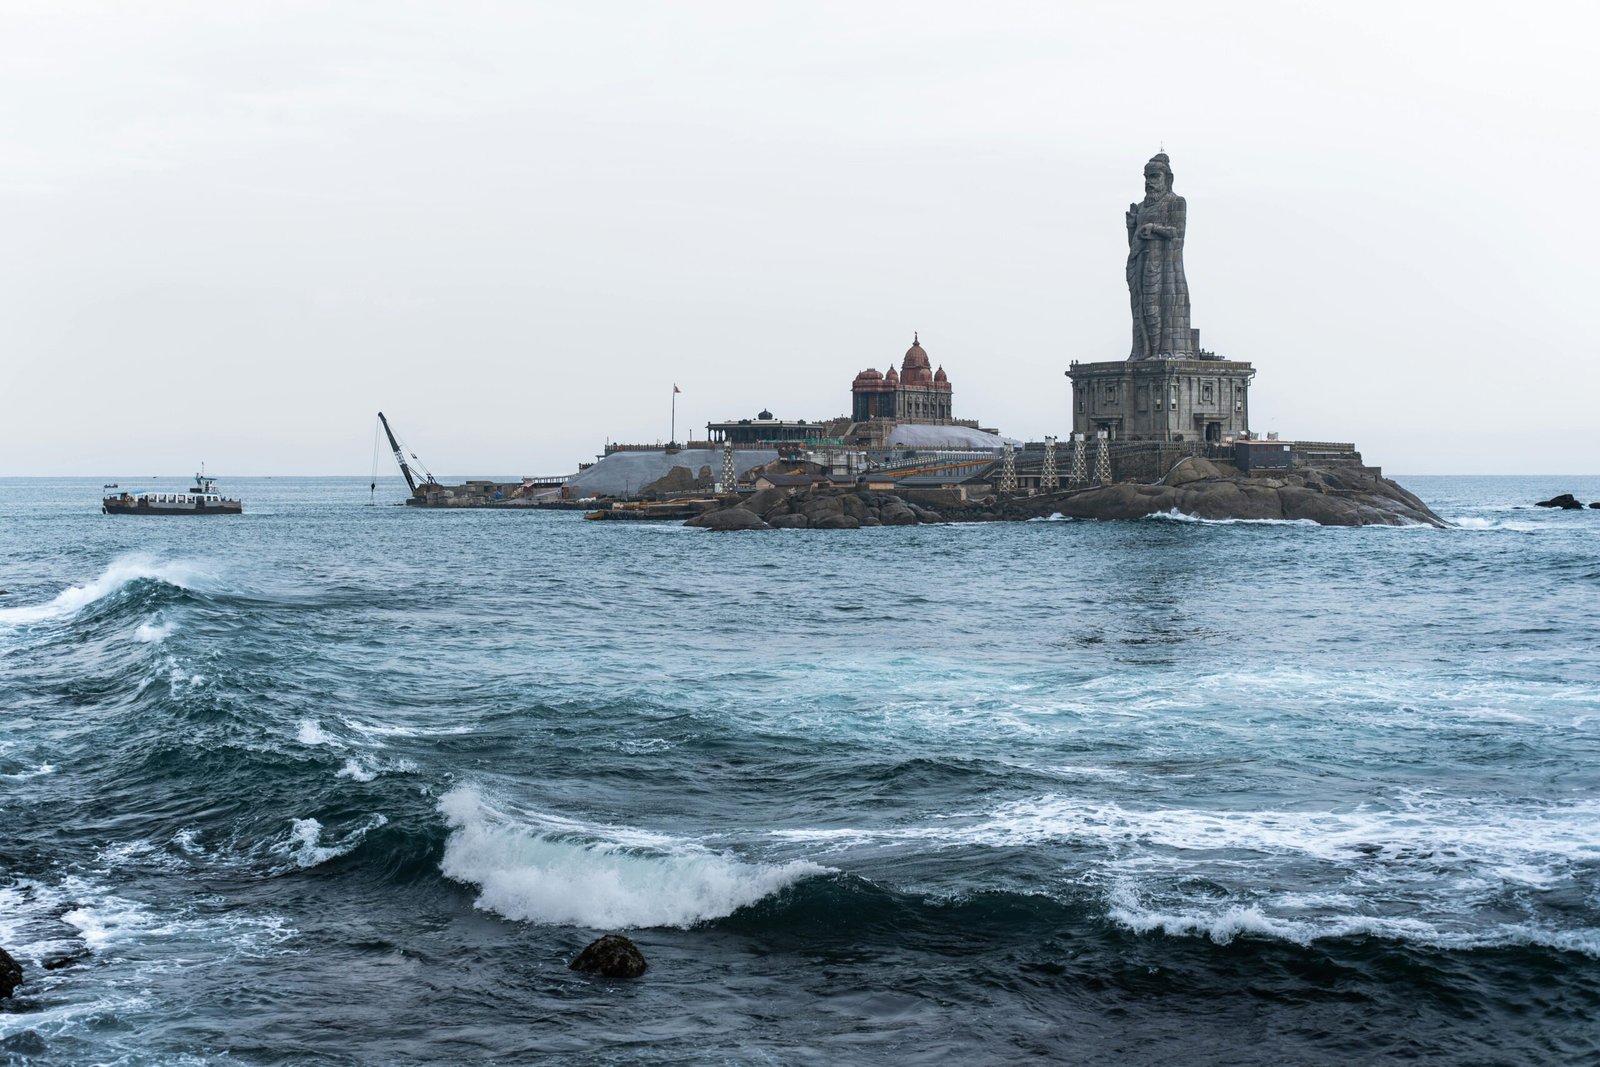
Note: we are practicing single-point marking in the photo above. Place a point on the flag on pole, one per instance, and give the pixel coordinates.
(675, 388)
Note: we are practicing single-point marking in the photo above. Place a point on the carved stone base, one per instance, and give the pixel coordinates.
(1162, 399)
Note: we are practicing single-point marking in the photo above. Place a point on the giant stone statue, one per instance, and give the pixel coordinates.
(1156, 285)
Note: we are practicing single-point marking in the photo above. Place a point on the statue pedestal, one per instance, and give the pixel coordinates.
(1162, 399)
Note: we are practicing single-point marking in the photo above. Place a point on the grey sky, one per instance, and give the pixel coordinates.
(233, 231)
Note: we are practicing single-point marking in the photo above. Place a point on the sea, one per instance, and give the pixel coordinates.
(352, 783)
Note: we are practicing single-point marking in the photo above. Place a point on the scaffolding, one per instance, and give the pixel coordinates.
(1008, 471)
(1080, 463)
(1049, 482)
(1102, 459)
(730, 475)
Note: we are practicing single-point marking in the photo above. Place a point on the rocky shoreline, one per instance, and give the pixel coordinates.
(1342, 495)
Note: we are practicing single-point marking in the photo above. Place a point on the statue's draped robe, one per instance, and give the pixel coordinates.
(1156, 285)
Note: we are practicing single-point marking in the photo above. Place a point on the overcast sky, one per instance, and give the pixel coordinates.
(234, 231)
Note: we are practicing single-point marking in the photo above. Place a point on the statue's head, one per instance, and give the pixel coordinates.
(1157, 176)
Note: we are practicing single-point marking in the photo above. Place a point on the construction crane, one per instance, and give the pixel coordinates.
(419, 490)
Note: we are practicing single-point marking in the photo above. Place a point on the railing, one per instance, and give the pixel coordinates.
(1322, 446)
(659, 446)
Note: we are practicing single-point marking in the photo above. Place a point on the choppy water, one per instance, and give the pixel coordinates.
(326, 783)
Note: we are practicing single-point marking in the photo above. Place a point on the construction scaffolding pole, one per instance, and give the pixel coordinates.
(1080, 463)
(730, 474)
(1048, 481)
(1102, 460)
(1008, 471)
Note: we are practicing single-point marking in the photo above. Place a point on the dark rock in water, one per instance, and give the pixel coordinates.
(65, 961)
(817, 508)
(895, 512)
(1595, 506)
(837, 522)
(612, 956)
(1329, 495)
(1326, 497)
(10, 974)
(729, 519)
(25, 1043)
(1565, 501)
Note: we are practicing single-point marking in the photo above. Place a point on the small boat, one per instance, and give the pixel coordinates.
(202, 499)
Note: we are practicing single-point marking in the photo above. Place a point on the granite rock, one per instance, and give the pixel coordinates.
(10, 974)
(734, 518)
(611, 956)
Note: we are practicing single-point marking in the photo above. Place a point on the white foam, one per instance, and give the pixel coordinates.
(1478, 523)
(1174, 515)
(312, 733)
(304, 843)
(1417, 841)
(37, 772)
(603, 879)
(353, 770)
(121, 572)
(179, 676)
(108, 922)
(1225, 922)
(154, 633)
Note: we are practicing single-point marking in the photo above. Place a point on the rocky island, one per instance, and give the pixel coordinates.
(1195, 487)
(1164, 430)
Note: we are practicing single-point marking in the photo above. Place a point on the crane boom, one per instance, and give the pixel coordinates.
(405, 469)
(410, 479)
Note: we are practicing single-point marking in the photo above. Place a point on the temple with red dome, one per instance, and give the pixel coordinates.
(914, 393)
(910, 405)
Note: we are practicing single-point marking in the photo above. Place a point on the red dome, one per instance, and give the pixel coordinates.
(915, 370)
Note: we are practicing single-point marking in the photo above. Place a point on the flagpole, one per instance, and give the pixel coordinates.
(673, 440)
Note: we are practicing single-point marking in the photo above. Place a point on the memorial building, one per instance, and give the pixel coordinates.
(1168, 388)
(915, 393)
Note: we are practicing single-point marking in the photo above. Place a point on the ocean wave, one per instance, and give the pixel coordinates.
(1223, 924)
(44, 919)
(1533, 847)
(121, 573)
(364, 769)
(154, 632)
(310, 732)
(600, 878)
(356, 771)
(305, 846)
(1478, 523)
(37, 771)
(1174, 515)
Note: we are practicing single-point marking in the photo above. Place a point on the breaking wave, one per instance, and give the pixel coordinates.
(630, 880)
(1222, 924)
(1174, 515)
(114, 579)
